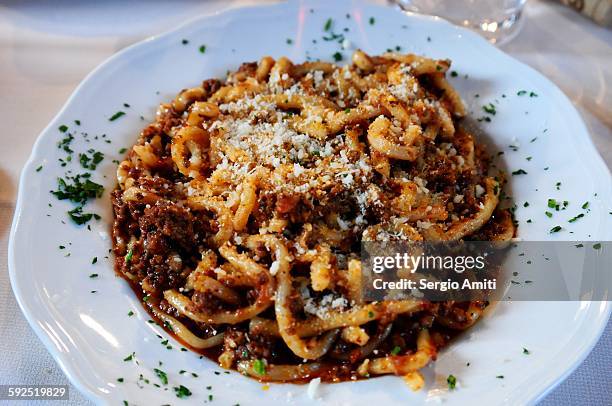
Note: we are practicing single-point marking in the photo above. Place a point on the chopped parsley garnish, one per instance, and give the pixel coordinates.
(63, 128)
(94, 260)
(519, 172)
(337, 56)
(93, 275)
(489, 108)
(185, 41)
(454, 74)
(91, 162)
(65, 144)
(202, 49)
(130, 357)
(573, 219)
(259, 366)
(123, 150)
(328, 24)
(525, 350)
(182, 392)
(116, 116)
(548, 214)
(120, 380)
(500, 377)
(163, 377)
(552, 203)
(128, 256)
(370, 314)
(78, 188)
(289, 41)
(130, 313)
(597, 246)
(585, 205)
(79, 217)
(555, 229)
(372, 20)
(452, 382)
(39, 168)
(521, 92)
(396, 350)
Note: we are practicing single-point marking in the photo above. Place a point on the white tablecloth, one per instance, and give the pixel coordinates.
(47, 48)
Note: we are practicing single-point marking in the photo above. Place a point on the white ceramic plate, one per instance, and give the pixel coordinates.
(90, 334)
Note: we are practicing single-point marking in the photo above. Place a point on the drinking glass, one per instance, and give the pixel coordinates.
(497, 20)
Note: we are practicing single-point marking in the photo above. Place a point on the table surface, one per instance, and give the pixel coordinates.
(47, 48)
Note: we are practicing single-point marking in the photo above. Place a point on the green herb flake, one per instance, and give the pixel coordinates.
(573, 219)
(521, 92)
(63, 128)
(120, 380)
(130, 313)
(555, 229)
(454, 74)
(500, 377)
(91, 162)
(525, 350)
(289, 41)
(451, 380)
(129, 255)
(585, 205)
(597, 246)
(548, 214)
(337, 56)
(396, 350)
(185, 41)
(78, 217)
(163, 377)
(259, 366)
(519, 172)
(490, 109)
(182, 392)
(328, 24)
(39, 168)
(202, 49)
(130, 357)
(116, 115)
(93, 275)
(94, 260)
(372, 21)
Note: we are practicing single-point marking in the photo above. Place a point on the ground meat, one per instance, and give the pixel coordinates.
(168, 227)
(210, 86)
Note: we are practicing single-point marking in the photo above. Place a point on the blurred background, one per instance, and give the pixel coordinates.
(48, 47)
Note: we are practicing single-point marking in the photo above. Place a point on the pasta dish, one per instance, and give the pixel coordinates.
(240, 211)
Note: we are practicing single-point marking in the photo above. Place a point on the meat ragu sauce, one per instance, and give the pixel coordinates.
(240, 212)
